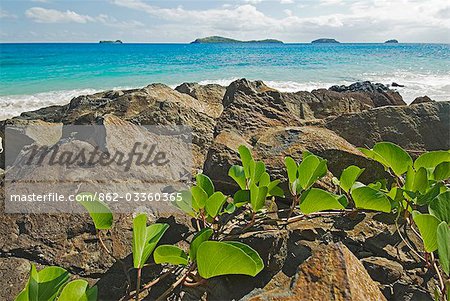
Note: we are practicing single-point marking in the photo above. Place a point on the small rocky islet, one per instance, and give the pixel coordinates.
(356, 257)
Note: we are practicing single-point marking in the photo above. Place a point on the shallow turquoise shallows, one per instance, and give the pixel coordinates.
(34, 75)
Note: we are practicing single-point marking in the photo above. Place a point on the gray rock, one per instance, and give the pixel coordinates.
(417, 128)
(422, 99)
(383, 270)
(380, 94)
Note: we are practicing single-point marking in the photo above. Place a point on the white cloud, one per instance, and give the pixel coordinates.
(288, 12)
(347, 21)
(253, 1)
(113, 22)
(361, 20)
(286, 1)
(331, 2)
(44, 15)
(5, 14)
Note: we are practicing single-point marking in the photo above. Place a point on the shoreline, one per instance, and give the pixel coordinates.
(13, 105)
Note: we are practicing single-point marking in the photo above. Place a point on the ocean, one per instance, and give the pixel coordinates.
(38, 75)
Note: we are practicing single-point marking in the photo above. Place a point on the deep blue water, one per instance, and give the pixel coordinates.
(33, 75)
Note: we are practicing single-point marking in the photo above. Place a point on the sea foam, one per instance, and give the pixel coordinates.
(436, 87)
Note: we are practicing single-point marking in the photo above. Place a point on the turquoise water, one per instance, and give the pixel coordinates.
(36, 75)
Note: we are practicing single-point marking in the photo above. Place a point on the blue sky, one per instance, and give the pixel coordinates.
(183, 21)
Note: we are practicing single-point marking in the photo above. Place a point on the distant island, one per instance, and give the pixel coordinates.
(111, 42)
(324, 40)
(217, 39)
(393, 41)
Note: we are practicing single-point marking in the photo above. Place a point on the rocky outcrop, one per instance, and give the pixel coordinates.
(324, 41)
(25, 132)
(379, 94)
(332, 273)
(155, 104)
(276, 143)
(421, 99)
(301, 260)
(210, 94)
(419, 127)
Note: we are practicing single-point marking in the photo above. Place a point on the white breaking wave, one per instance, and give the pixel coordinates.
(436, 87)
(13, 105)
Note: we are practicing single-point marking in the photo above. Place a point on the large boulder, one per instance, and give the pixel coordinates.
(250, 108)
(418, 128)
(210, 94)
(421, 99)
(277, 143)
(331, 273)
(156, 104)
(379, 94)
(24, 132)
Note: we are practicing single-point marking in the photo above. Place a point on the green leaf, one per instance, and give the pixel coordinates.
(258, 197)
(44, 285)
(171, 255)
(443, 241)
(393, 156)
(310, 170)
(185, 203)
(215, 203)
(442, 171)
(199, 197)
(440, 207)
(216, 258)
(315, 200)
(246, 158)
(145, 239)
(205, 183)
(258, 171)
(199, 238)
(241, 198)
(349, 177)
(427, 225)
(237, 173)
(264, 180)
(416, 181)
(370, 199)
(292, 168)
(430, 160)
(99, 211)
(229, 208)
(430, 195)
(274, 189)
(78, 290)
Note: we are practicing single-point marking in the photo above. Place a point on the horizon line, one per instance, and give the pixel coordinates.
(187, 43)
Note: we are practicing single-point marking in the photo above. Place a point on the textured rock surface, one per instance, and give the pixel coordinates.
(419, 127)
(331, 273)
(421, 99)
(13, 271)
(210, 94)
(155, 104)
(378, 93)
(276, 143)
(272, 124)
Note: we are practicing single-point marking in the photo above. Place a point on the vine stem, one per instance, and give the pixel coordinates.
(153, 282)
(294, 204)
(138, 283)
(177, 283)
(124, 267)
(322, 213)
(407, 243)
(441, 281)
